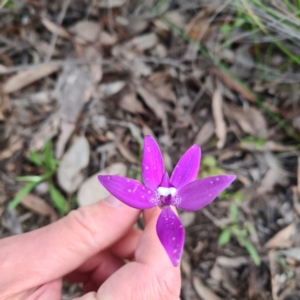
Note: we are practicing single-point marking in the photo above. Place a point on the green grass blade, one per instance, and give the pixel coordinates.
(58, 199)
(251, 250)
(31, 178)
(224, 237)
(21, 194)
(35, 158)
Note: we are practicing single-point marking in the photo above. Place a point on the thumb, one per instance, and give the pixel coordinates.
(150, 277)
(50, 252)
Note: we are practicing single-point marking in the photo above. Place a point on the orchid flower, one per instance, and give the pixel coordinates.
(182, 190)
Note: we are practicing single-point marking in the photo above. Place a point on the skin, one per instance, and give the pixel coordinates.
(88, 246)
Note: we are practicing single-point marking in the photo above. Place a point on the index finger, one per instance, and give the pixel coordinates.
(50, 252)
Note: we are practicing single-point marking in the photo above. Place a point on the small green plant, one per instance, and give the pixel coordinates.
(209, 167)
(7, 4)
(258, 142)
(240, 232)
(47, 162)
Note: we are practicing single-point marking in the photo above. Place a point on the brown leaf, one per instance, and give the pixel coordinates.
(234, 85)
(205, 133)
(282, 239)
(217, 109)
(76, 158)
(251, 120)
(110, 3)
(27, 77)
(130, 103)
(143, 42)
(55, 28)
(153, 103)
(86, 32)
(91, 191)
(203, 291)
(39, 206)
(127, 154)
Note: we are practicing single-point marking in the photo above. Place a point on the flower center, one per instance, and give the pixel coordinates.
(164, 191)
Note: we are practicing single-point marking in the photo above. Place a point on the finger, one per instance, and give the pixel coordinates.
(96, 269)
(57, 249)
(125, 248)
(151, 276)
(50, 290)
(150, 250)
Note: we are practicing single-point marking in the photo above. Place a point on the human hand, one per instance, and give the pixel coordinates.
(89, 246)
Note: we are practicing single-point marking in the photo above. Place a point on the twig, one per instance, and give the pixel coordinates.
(60, 18)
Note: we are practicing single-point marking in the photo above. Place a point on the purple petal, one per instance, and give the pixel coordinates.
(152, 163)
(171, 234)
(130, 191)
(199, 193)
(187, 168)
(165, 180)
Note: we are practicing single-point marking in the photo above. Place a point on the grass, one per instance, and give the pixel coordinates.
(48, 164)
(246, 14)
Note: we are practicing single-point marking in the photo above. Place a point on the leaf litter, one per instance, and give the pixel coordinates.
(117, 72)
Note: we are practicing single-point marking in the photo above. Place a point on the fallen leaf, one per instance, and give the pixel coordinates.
(283, 238)
(111, 88)
(24, 78)
(153, 103)
(217, 109)
(39, 206)
(55, 28)
(73, 90)
(86, 32)
(75, 159)
(127, 154)
(203, 291)
(275, 174)
(234, 84)
(91, 191)
(143, 42)
(205, 134)
(130, 103)
(110, 3)
(251, 120)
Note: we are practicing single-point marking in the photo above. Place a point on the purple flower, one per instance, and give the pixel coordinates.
(181, 191)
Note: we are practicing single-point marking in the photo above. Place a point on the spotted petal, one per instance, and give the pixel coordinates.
(152, 163)
(130, 191)
(199, 193)
(171, 234)
(187, 168)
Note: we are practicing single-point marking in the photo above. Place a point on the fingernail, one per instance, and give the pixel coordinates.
(113, 201)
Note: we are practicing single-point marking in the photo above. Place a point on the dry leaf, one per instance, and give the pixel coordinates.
(275, 174)
(112, 88)
(110, 3)
(130, 103)
(282, 239)
(55, 28)
(251, 120)
(187, 218)
(205, 134)
(27, 77)
(76, 158)
(107, 39)
(86, 32)
(91, 191)
(234, 85)
(153, 103)
(39, 206)
(143, 42)
(203, 291)
(74, 88)
(217, 110)
(127, 154)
